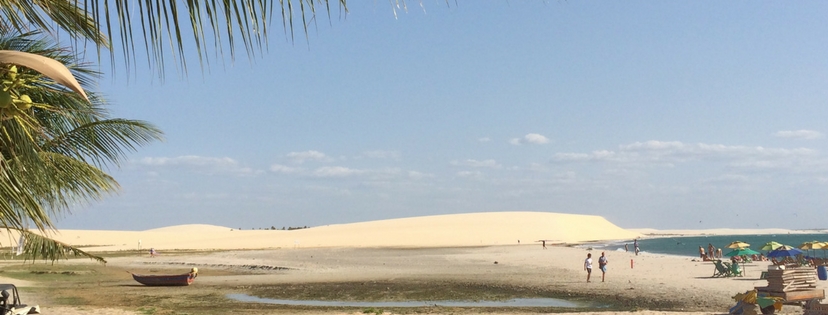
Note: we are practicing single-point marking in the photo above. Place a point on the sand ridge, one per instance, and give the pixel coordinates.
(461, 248)
(472, 229)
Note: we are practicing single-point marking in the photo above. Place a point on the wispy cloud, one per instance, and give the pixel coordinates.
(381, 154)
(475, 163)
(799, 134)
(419, 175)
(311, 155)
(484, 139)
(278, 168)
(336, 171)
(668, 152)
(470, 174)
(199, 163)
(532, 138)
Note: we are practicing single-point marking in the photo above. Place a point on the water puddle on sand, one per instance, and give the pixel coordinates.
(532, 302)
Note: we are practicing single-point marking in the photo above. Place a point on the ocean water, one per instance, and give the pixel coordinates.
(689, 246)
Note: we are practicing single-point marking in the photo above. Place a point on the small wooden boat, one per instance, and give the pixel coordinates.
(167, 280)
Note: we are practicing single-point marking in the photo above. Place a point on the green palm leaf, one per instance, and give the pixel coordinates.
(52, 151)
(160, 24)
(36, 247)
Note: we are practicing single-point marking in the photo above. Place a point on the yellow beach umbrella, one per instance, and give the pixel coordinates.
(811, 245)
(737, 244)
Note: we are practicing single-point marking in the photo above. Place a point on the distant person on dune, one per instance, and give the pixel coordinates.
(153, 252)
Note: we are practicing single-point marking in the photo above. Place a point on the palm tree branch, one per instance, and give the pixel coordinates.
(103, 141)
(36, 246)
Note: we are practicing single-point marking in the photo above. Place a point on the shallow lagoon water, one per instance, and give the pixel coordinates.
(530, 302)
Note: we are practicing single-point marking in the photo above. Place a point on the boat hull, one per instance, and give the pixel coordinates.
(165, 280)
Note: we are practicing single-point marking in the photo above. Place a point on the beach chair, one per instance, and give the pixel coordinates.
(722, 269)
(736, 270)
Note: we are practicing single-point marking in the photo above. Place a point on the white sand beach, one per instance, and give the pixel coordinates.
(479, 246)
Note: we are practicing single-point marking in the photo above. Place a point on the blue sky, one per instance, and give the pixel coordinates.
(651, 114)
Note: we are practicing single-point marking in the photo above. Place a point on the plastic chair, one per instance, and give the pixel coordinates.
(722, 269)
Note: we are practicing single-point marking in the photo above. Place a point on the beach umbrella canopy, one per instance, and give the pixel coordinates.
(785, 251)
(811, 245)
(738, 244)
(742, 252)
(771, 246)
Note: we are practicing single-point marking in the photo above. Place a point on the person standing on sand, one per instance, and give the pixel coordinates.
(588, 266)
(602, 264)
(153, 253)
(718, 253)
(635, 244)
(711, 251)
(626, 249)
(544, 244)
(701, 253)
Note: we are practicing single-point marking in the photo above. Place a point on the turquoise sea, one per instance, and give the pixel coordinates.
(689, 245)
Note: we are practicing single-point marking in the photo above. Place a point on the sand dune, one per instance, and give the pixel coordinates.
(473, 229)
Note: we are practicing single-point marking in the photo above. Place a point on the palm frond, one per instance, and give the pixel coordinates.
(104, 141)
(52, 150)
(163, 24)
(68, 15)
(36, 247)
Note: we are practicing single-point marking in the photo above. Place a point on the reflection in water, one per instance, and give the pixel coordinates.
(533, 302)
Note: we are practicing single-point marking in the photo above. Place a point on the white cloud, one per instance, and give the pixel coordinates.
(418, 175)
(336, 171)
(278, 168)
(200, 164)
(532, 138)
(475, 163)
(311, 155)
(727, 179)
(668, 153)
(191, 160)
(470, 174)
(799, 134)
(380, 154)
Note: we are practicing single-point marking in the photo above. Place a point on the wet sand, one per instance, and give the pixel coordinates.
(661, 284)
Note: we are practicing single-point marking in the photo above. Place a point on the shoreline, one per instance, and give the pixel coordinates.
(410, 274)
(477, 256)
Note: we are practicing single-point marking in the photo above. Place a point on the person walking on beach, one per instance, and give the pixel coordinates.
(544, 244)
(602, 264)
(635, 244)
(626, 249)
(588, 266)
